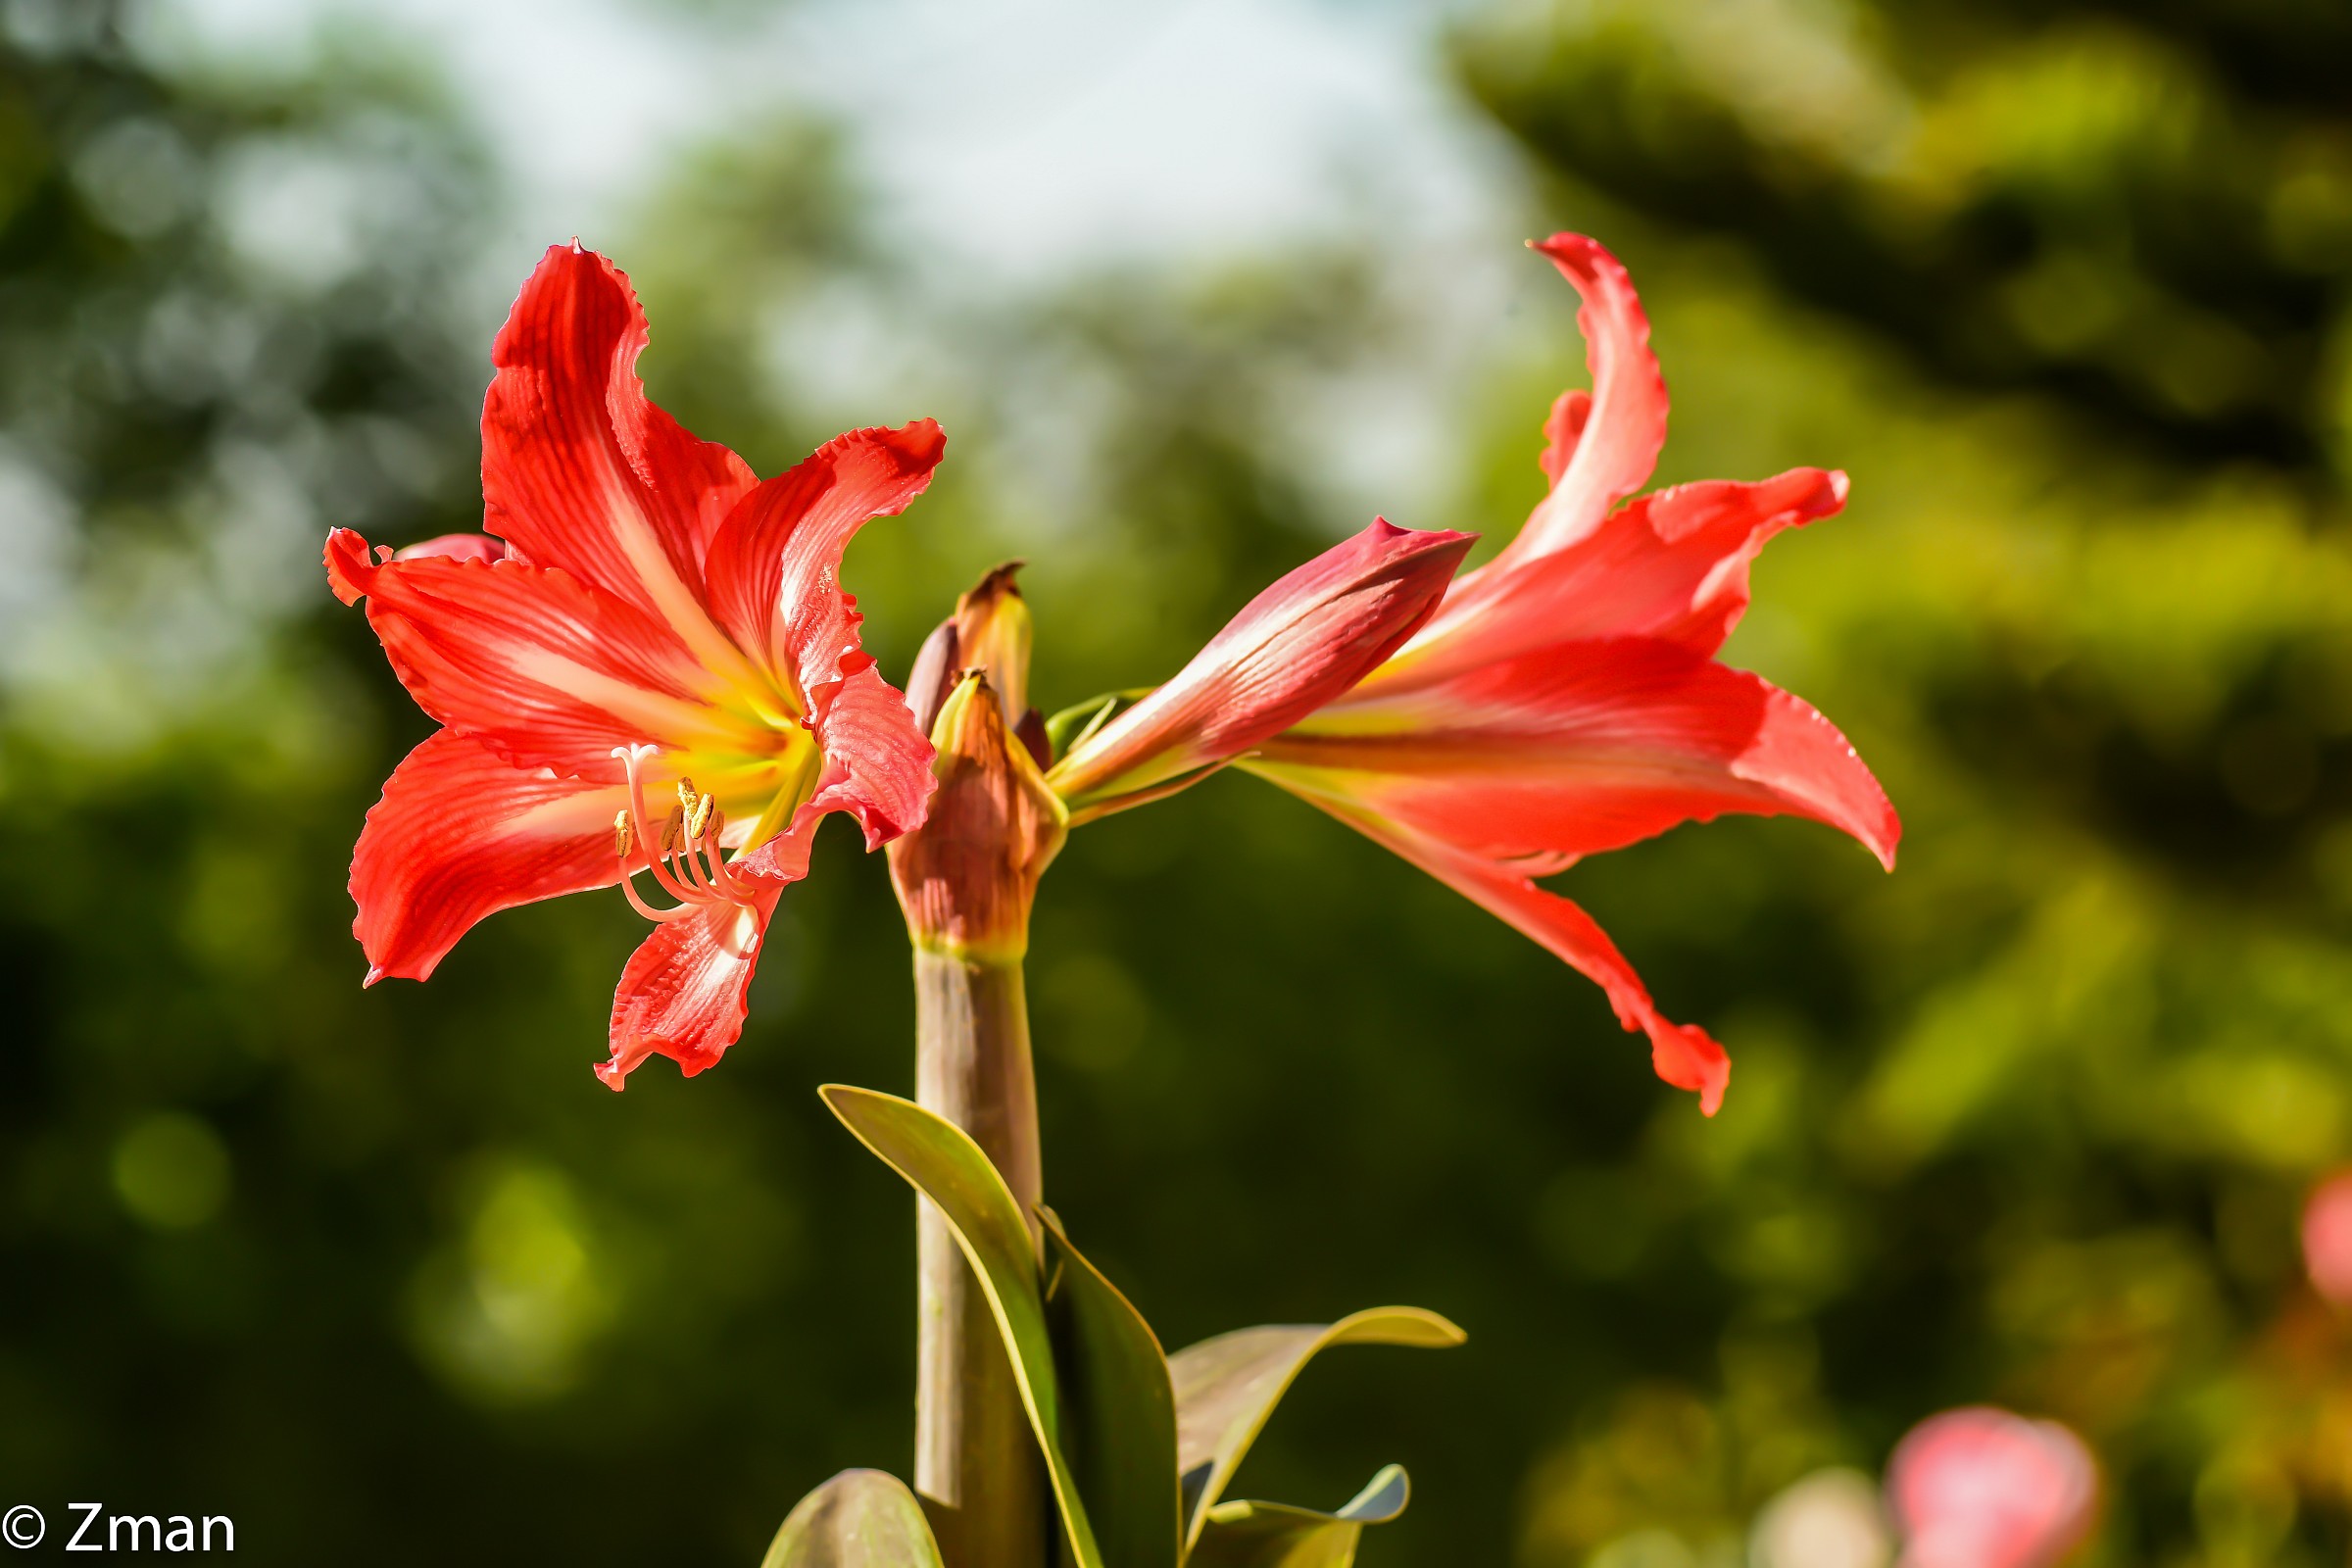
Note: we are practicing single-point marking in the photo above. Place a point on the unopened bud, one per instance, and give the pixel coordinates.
(966, 878)
(993, 632)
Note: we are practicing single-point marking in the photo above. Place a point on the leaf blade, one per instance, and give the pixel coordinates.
(1274, 1535)
(941, 1162)
(1122, 1405)
(858, 1519)
(1228, 1386)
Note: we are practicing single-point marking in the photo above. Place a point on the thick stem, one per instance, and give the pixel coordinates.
(977, 1465)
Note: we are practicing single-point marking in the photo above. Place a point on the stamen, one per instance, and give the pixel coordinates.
(685, 859)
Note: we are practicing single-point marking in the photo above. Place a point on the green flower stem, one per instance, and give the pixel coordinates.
(976, 1466)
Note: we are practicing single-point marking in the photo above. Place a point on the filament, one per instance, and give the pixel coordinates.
(683, 853)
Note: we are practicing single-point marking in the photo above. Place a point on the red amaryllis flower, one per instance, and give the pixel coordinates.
(1562, 699)
(644, 663)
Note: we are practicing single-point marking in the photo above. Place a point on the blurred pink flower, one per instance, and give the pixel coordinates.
(1980, 1488)
(2327, 1238)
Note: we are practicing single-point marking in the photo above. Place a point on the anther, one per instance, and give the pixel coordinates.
(623, 840)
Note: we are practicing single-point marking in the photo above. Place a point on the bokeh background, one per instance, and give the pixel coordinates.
(2067, 286)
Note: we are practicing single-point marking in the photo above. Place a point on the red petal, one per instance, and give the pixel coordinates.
(1603, 451)
(546, 669)
(580, 471)
(1585, 746)
(877, 764)
(1672, 564)
(455, 547)
(682, 993)
(1682, 1054)
(460, 834)
(774, 565)
(1293, 648)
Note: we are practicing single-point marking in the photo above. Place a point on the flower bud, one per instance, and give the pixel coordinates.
(991, 632)
(966, 878)
(1302, 643)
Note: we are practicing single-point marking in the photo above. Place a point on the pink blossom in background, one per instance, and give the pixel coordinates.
(2327, 1238)
(1980, 1488)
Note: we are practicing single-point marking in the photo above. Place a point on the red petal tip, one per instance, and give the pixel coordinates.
(349, 567)
(375, 973)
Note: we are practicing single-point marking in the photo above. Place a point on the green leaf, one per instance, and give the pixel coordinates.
(1274, 1535)
(1120, 1409)
(1227, 1386)
(858, 1519)
(943, 1163)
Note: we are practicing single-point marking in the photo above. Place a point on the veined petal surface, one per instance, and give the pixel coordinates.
(582, 472)
(1673, 564)
(539, 665)
(681, 995)
(1583, 748)
(775, 564)
(462, 833)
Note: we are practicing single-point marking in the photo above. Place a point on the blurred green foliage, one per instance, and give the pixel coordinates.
(387, 1276)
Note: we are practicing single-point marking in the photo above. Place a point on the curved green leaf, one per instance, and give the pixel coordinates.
(858, 1519)
(940, 1160)
(1120, 1409)
(1274, 1535)
(1227, 1386)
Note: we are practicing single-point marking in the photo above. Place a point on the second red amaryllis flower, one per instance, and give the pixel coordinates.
(645, 665)
(1562, 699)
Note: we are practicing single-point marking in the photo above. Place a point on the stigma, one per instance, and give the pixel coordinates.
(681, 850)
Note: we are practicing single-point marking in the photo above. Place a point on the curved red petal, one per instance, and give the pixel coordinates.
(1602, 450)
(1293, 648)
(1587, 747)
(454, 546)
(774, 565)
(1672, 564)
(460, 834)
(877, 764)
(580, 471)
(1682, 1054)
(681, 995)
(545, 668)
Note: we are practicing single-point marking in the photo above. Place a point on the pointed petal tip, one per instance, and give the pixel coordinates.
(1382, 531)
(1573, 249)
(1886, 839)
(375, 973)
(350, 568)
(1686, 1057)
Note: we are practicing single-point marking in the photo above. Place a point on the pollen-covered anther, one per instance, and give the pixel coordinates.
(688, 864)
